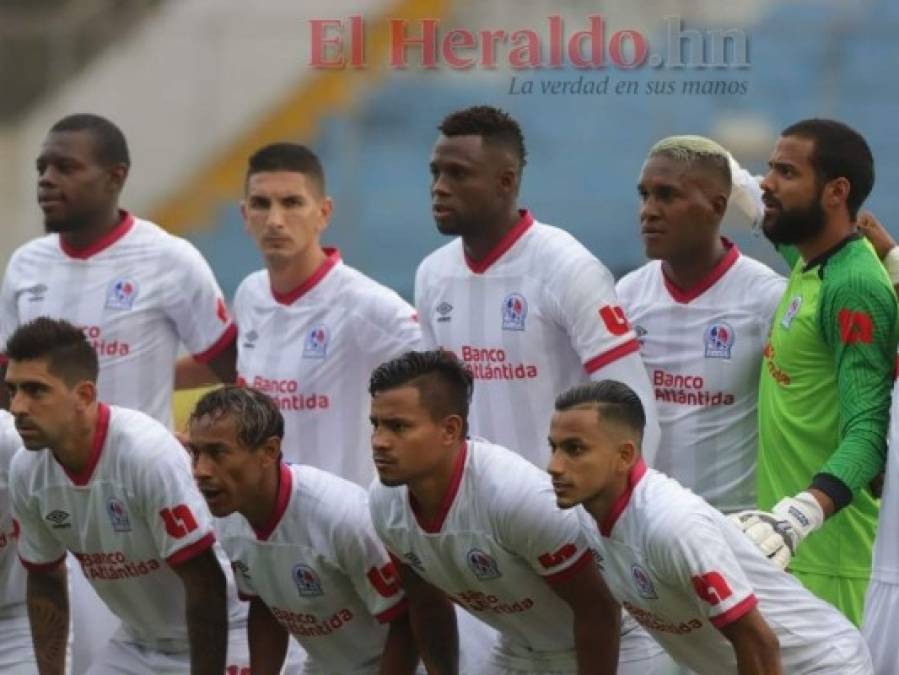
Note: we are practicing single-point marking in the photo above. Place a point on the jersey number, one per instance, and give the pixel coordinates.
(615, 320)
(712, 588)
(384, 580)
(179, 521)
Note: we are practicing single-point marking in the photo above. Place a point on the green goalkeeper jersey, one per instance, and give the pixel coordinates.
(824, 399)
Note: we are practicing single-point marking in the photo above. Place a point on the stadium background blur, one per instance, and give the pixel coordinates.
(197, 85)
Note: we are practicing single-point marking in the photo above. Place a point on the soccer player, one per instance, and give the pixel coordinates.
(302, 545)
(523, 304)
(114, 487)
(688, 575)
(477, 523)
(135, 290)
(311, 328)
(824, 394)
(702, 311)
(16, 651)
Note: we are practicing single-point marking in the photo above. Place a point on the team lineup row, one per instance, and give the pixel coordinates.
(751, 390)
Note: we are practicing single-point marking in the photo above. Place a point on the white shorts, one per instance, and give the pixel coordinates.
(16, 649)
(128, 658)
(879, 626)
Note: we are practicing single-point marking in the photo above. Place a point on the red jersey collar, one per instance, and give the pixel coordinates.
(636, 474)
(688, 295)
(101, 244)
(285, 486)
(100, 431)
(435, 525)
(333, 257)
(523, 225)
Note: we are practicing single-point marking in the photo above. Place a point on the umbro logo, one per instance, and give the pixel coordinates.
(58, 519)
(444, 309)
(35, 293)
(414, 561)
(250, 339)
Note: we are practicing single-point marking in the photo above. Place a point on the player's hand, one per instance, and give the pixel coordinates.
(767, 533)
(791, 520)
(880, 239)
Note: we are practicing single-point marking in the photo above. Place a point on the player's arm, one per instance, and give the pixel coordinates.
(884, 244)
(267, 638)
(597, 618)
(222, 367)
(400, 655)
(433, 622)
(48, 613)
(755, 644)
(206, 612)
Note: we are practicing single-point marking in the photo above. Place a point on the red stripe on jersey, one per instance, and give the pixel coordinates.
(394, 613)
(102, 428)
(637, 473)
(285, 486)
(455, 480)
(688, 295)
(290, 297)
(226, 339)
(575, 567)
(245, 597)
(612, 355)
(508, 241)
(738, 611)
(191, 551)
(124, 227)
(40, 567)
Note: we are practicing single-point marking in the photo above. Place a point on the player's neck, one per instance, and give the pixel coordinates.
(690, 270)
(90, 233)
(601, 505)
(479, 245)
(430, 491)
(259, 510)
(834, 232)
(288, 275)
(75, 451)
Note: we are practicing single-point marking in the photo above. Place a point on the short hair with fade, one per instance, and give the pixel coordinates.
(444, 383)
(614, 401)
(69, 355)
(109, 142)
(840, 152)
(495, 126)
(256, 415)
(696, 151)
(284, 156)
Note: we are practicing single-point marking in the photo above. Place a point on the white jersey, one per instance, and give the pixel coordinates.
(532, 319)
(885, 566)
(685, 572)
(313, 351)
(136, 293)
(496, 548)
(702, 349)
(12, 575)
(128, 517)
(319, 567)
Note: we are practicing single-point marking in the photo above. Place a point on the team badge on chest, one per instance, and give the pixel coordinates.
(118, 515)
(719, 340)
(515, 311)
(316, 344)
(483, 566)
(121, 294)
(791, 312)
(645, 587)
(307, 581)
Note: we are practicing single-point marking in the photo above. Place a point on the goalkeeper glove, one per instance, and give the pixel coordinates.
(777, 534)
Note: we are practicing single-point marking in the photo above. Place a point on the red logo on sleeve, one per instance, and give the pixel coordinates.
(221, 311)
(614, 319)
(550, 560)
(384, 580)
(855, 327)
(179, 521)
(712, 588)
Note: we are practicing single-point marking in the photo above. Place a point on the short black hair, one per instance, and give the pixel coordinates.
(109, 142)
(69, 355)
(614, 401)
(256, 415)
(444, 383)
(840, 152)
(495, 126)
(285, 156)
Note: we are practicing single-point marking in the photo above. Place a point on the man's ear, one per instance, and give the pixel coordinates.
(85, 392)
